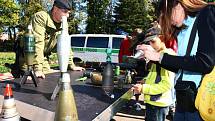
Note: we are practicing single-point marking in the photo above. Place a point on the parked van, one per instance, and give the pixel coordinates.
(93, 47)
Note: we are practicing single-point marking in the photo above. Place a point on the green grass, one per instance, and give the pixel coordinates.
(6, 57)
(53, 60)
(9, 57)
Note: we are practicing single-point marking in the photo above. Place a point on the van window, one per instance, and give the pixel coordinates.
(97, 42)
(116, 42)
(77, 41)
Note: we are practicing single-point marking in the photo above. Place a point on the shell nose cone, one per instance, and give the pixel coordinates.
(8, 92)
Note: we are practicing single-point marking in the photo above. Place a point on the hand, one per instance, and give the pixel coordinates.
(149, 52)
(137, 88)
(40, 74)
(78, 69)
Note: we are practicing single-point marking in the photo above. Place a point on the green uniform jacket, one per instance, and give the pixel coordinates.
(163, 87)
(45, 31)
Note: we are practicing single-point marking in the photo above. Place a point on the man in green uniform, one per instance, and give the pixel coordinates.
(46, 27)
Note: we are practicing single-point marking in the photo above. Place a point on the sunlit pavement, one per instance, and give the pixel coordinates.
(6, 76)
(128, 113)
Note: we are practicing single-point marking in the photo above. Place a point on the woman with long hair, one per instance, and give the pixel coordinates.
(180, 15)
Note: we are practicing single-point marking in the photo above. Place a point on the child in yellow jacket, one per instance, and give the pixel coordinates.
(159, 83)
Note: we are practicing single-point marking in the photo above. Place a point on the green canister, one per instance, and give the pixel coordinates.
(29, 46)
(117, 71)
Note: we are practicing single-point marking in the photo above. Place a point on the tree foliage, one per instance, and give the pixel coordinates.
(98, 11)
(131, 14)
(80, 15)
(127, 15)
(73, 24)
(103, 17)
(16, 14)
(9, 13)
(29, 7)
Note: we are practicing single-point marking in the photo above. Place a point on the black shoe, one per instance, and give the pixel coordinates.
(15, 71)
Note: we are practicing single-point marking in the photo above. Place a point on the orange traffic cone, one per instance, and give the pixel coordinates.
(9, 112)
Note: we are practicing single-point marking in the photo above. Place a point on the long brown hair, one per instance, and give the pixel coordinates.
(191, 7)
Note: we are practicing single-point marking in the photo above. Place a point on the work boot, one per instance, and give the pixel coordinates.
(15, 70)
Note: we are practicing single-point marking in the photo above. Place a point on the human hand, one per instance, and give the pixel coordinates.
(149, 52)
(78, 69)
(137, 88)
(40, 74)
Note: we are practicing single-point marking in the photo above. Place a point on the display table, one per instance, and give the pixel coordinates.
(33, 103)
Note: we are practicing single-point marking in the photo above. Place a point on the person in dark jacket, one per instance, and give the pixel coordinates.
(201, 60)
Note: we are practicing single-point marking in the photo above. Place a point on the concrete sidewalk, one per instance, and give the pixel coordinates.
(128, 113)
(6, 76)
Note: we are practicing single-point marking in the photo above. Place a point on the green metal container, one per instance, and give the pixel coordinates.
(117, 71)
(29, 46)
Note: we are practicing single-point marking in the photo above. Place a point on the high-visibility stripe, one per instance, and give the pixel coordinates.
(74, 49)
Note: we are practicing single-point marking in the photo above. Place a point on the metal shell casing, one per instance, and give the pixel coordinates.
(63, 46)
(66, 106)
(107, 79)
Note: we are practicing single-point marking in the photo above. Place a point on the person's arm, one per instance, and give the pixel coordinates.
(72, 65)
(204, 59)
(39, 24)
(71, 62)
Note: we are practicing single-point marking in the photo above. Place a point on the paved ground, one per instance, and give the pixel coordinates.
(6, 76)
(128, 113)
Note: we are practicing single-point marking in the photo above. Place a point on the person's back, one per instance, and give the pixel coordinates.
(45, 29)
(124, 51)
(126, 45)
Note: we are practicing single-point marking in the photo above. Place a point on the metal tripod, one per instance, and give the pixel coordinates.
(31, 73)
(56, 90)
